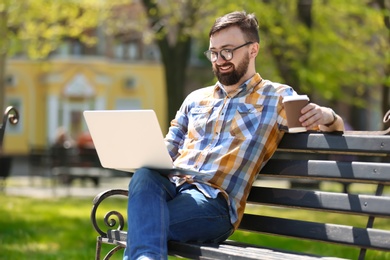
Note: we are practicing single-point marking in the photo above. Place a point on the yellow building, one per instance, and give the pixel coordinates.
(54, 93)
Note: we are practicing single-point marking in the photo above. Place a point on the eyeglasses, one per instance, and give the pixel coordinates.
(226, 54)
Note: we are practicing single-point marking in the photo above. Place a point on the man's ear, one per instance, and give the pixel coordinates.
(255, 49)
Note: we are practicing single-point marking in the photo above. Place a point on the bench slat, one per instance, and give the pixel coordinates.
(235, 250)
(351, 143)
(347, 235)
(226, 250)
(360, 158)
(199, 251)
(367, 172)
(339, 202)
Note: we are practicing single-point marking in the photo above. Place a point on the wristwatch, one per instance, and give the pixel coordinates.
(334, 119)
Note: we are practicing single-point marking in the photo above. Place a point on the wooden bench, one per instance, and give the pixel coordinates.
(357, 158)
(64, 165)
(68, 164)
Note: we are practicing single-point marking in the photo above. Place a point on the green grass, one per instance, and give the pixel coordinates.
(60, 228)
(46, 228)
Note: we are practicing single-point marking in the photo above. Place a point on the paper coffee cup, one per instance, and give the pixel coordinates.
(293, 106)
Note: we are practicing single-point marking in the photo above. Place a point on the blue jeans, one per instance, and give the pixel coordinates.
(159, 211)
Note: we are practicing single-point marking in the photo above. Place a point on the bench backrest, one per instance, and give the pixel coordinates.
(346, 158)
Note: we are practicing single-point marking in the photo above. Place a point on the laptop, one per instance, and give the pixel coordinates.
(127, 140)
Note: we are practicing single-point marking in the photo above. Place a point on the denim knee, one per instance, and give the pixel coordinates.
(146, 180)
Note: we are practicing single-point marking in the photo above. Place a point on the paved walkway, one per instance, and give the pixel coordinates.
(25, 180)
(42, 187)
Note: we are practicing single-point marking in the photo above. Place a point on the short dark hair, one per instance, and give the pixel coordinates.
(247, 23)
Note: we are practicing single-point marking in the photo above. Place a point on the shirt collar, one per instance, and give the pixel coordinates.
(243, 89)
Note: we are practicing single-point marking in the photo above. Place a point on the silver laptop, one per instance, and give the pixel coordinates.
(130, 139)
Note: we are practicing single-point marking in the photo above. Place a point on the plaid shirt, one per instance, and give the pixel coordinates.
(228, 137)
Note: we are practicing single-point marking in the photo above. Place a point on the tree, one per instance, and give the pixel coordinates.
(174, 42)
(175, 24)
(385, 8)
(34, 28)
(324, 48)
(332, 50)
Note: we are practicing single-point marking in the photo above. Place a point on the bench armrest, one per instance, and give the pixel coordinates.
(108, 220)
(11, 115)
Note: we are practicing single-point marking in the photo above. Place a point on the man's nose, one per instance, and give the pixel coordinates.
(220, 60)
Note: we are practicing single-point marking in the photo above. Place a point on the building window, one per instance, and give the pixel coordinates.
(130, 83)
(129, 50)
(127, 103)
(119, 51)
(133, 51)
(10, 81)
(151, 52)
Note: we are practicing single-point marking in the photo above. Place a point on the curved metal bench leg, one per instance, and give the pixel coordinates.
(112, 252)
(98, 248)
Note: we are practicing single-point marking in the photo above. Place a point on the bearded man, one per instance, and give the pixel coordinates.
(226, 132)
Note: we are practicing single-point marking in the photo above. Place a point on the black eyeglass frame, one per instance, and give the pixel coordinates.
(209, 52)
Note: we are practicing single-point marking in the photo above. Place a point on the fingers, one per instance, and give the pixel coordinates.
(312, 116)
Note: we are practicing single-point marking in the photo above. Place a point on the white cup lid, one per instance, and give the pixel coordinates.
(295, 97)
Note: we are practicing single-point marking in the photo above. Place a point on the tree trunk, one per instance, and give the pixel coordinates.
(285, 65)
(386, 98)
(386, 84)
(304, 12)
(175, 60)
(3, 56)
(2, 81)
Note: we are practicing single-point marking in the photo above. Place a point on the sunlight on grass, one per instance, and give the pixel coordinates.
(60, 228)
(46, 228)
(34, 247)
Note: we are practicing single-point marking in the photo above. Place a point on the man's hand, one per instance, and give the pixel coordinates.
(315, 116)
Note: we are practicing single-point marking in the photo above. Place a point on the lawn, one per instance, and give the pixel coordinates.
(60, 228)
(46, 228)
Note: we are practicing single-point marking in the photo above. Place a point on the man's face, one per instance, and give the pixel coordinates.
(232, 71)
(233, 75)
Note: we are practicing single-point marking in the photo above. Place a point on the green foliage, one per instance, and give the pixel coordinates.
(40, 25)
(37, 27)
(348, 46)
(342, 55)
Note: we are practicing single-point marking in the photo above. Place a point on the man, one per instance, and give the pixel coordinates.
(228, 132)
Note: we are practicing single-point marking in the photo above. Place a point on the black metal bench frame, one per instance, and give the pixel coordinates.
(65, 165)
(10, 115)
(352, 157)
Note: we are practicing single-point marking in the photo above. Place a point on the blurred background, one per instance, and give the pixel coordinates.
(61, 57)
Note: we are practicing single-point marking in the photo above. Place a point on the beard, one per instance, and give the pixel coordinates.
(232, 78)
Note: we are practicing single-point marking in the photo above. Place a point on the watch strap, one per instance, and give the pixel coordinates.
(334, 119)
